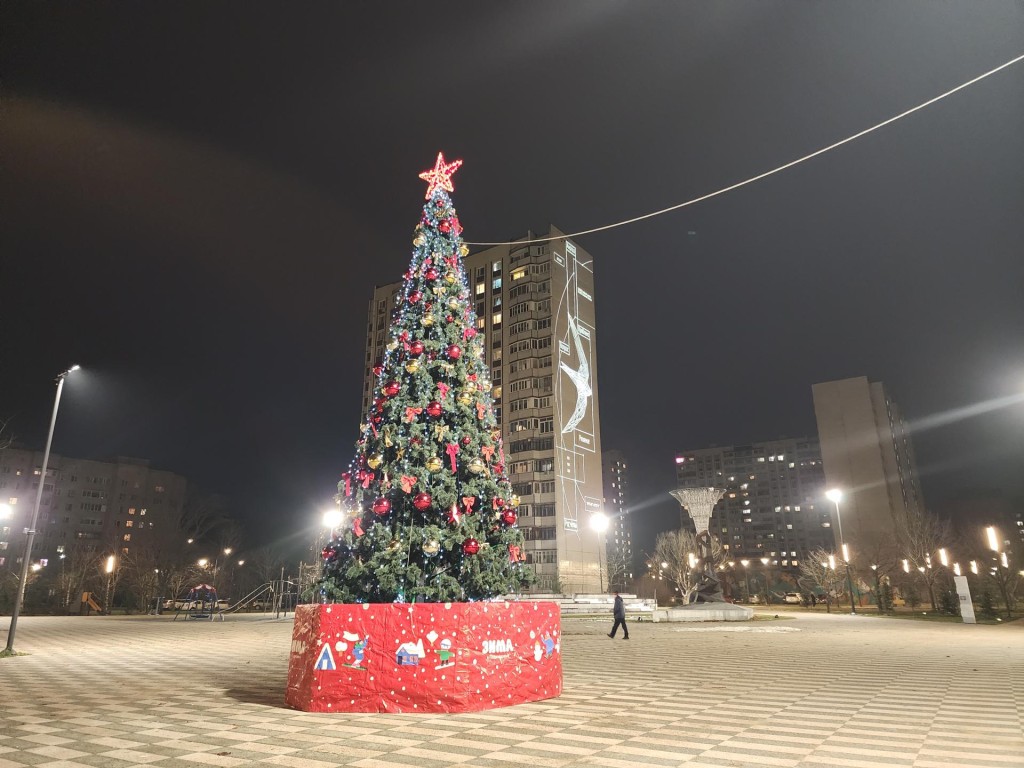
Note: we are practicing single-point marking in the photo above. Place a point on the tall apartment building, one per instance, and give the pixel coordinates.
(112, 506)
(869, 457)
(534, 305)
(619, 546)
(774, 505)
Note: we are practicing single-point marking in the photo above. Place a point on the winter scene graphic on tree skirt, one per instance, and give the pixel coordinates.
(426, 657)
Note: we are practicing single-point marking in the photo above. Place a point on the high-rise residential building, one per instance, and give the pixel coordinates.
(869, 457)
(534, 305)
(774, 504)
(619, 547)
(116, 506)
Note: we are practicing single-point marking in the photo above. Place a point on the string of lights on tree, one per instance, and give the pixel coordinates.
(431, 513)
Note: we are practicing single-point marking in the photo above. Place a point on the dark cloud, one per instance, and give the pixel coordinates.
(198, 200)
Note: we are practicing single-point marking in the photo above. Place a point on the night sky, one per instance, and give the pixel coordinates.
(197, 199)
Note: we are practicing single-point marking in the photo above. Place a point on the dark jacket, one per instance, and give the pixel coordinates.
(619, 610)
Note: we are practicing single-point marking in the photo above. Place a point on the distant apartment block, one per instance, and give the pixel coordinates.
(868, 455)
(534, 305)
(115, 507)
(619, 548)
(774, 506)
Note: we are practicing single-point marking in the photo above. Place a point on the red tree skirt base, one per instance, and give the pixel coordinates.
(424, 657)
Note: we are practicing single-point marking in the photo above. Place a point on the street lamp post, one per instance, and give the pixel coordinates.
(835, 496)
(599, 522)
(31, 530)
(111, 562)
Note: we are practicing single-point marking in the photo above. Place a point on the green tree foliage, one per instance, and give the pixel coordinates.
(430, 513)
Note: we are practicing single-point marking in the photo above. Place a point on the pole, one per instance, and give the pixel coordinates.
(842, 544)
(600, 568)
(31, 531)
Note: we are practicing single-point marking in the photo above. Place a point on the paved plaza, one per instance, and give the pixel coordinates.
(807, 690)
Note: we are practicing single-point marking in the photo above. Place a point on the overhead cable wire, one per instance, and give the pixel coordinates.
(773, 171)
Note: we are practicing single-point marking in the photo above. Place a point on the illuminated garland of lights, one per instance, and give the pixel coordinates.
(432, 510)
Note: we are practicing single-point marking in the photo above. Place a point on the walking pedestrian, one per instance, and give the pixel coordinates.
(619, 613)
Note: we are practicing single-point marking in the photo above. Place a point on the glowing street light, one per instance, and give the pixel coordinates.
(332, 519)
(974, 567)
(835, 496)
(993, 538)
(599, 523)
(944, 558)
(109, 568)
(31, 530)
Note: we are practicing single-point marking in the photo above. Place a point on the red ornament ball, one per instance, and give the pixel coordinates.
(499, 502)
(378, 369)
(449, 318)
(430, 273)
(466, 440)
(454, 351)
(392, 388)
(434, 408)
(445, 226)
(470, 546)
(415, 296)
(422, 501)
(416, 348)
(381, 506)
(508, 517)
(329, 554)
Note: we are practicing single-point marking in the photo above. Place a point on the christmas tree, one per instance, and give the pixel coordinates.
(431, 516)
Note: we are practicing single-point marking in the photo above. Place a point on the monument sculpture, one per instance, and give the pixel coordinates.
(699, 502)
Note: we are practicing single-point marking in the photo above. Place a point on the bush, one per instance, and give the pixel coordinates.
(949, 603)
(987, 605)
(911, 595)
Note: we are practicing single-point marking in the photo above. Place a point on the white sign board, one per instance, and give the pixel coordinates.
(966, 606)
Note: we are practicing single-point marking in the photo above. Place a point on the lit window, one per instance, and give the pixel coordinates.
(480, 288)
(127, 537)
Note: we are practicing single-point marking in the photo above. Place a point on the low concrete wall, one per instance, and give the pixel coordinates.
(704, 612)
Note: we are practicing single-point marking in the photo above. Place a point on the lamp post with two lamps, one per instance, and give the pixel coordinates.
(835, 496)
(31, 530)
(599, 523)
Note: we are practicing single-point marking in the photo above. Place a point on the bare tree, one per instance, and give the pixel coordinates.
(78, 572)
(678, 550)
(140, 576)
(619, 569)
(921, 535)
(817, 571)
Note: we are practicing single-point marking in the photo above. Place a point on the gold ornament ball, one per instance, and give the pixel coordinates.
(514, 501)
(434, 464)
(428, 320)
(465, 398)
(419, 240)
(477, 466)
(450, 278)
(453, 304)
(392, 346)
(464, 251)
(375, 461)
(412, 366)
(432, 547)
